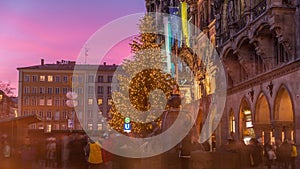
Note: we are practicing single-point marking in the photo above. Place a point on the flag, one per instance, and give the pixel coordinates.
(167, 42)
(184, 23)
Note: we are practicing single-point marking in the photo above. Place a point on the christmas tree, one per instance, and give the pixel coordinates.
(142, 84)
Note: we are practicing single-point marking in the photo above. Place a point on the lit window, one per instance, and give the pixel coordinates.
(48, 128)
(42, 102)
(99, 126)
(50, 78)
(99, 101)
(90, 101)
(49, 102)
(90, 126)
(42, 78)
(109, 101)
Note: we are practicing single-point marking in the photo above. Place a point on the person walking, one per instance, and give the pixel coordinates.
(256, 154)
(28, 154)
(51, 153)
(6, 149)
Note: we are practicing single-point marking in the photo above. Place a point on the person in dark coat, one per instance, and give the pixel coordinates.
(77, 154)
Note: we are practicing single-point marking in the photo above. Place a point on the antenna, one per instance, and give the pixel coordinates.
(86, 53)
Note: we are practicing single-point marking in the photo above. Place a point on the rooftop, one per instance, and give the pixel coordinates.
(68, 65)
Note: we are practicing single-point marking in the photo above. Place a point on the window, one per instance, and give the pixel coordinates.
(42, 78)
(80, 79)
(57, 115)
(100, 90)
(57, 90)
(26, 90)
(33, 102)
(79, 115)
(90, 101)
(49, 115)
(90, 114)
(91, 79)
(49, 102)
(79, 90)
(65, 79)
(64, 115)
(41, 114)
(48, 128)
(42, 90)
(56, 127)
(34, 78)
(91, 90)
(57, 78)
(99, 101)
(108, 90)
(109, 102)
(74, 79)
(50, 78)
(99, 126)
(42, 102)
(65, 90)
(90, 126)
(56, 102)
(34, 90)
(50, 90)
(109, 79)
(64, 103)
(26, 101)
(100, 79)
(26, 78)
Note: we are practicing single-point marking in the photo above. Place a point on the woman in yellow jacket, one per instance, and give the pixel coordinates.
(94, 152)
(294, 154)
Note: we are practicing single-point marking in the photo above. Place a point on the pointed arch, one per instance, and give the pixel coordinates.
(232, 121)
(245, 119)
(283, 106)
(262, 110)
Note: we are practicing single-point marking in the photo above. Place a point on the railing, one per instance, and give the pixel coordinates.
(225, 36)
(259, 9)
(240, 24)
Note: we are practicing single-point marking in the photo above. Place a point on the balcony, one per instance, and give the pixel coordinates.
(259, 9)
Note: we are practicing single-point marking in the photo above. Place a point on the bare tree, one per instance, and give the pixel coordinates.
(7, 88)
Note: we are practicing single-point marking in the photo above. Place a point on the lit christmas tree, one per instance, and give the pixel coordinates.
(146, 85)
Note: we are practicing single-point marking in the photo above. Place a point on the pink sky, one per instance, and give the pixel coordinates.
(55, 30)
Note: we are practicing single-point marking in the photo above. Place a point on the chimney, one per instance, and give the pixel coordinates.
(42, 62)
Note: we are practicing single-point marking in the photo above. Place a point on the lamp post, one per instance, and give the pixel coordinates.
(72, 102)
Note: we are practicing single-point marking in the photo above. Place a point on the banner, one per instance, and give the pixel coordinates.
(167, 43)
(175, 25)
(184, 23)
